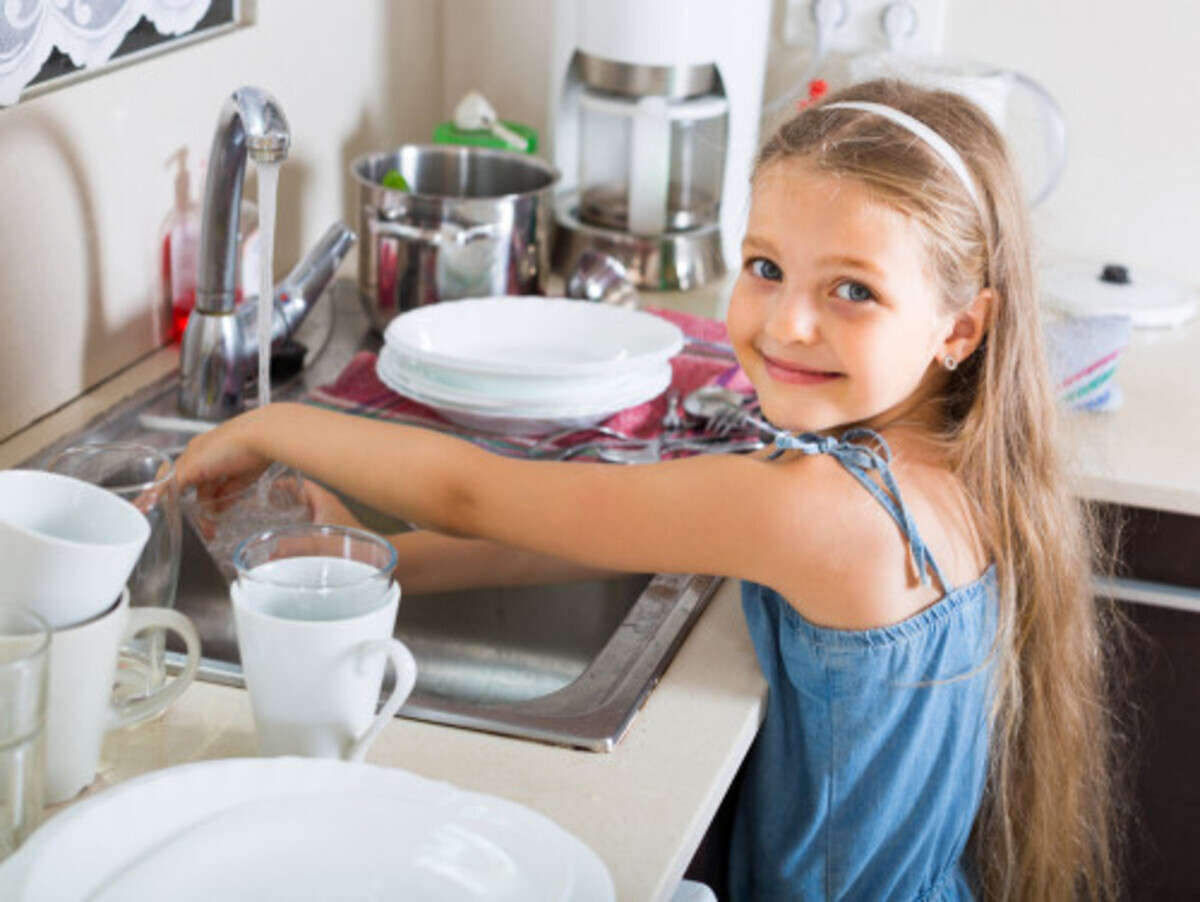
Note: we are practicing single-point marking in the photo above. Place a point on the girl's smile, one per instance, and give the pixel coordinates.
(783, 371)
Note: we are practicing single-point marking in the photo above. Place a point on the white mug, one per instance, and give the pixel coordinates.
(67, 547)
(80, 706)
(314, 676)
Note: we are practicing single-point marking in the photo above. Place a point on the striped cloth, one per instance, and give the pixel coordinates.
(1083, 353)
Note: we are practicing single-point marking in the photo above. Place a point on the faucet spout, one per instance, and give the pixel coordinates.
(220, 342)
(251, 122)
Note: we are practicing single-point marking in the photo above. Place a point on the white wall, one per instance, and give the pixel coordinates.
(1126, 75)
(84, 184)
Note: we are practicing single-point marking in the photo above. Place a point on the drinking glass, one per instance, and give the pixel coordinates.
(145, 477)
(276, 499)
(24, 651)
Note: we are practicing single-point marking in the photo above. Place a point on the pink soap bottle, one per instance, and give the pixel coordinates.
(180, 249)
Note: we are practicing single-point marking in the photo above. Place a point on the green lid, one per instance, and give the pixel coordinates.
(449, 133)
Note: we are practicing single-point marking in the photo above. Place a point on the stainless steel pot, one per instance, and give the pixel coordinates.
(475, 222)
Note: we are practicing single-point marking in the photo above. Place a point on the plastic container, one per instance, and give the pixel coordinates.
(180, 249)
(449, 133)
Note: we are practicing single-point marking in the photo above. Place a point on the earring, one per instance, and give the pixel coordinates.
(950, 363)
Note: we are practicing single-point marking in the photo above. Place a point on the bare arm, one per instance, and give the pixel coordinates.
(801, 525)
(432, 562)
(696, 515)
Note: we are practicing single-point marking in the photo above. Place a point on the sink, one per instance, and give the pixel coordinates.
(569, 664)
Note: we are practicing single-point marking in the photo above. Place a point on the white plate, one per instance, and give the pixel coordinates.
(513, 389)
(533, 335)
(523, 420)
(605, 397)
(300, 829)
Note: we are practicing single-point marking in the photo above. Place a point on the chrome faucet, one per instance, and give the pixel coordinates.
(221, 341)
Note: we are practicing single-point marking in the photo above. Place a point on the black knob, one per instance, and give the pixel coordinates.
(1115, 274)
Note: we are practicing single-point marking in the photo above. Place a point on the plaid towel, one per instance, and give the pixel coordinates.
(705, 359)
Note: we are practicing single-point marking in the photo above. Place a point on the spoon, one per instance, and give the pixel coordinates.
(474, 113)
(709, 400)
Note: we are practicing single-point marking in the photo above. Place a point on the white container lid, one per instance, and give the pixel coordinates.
(1093, 289)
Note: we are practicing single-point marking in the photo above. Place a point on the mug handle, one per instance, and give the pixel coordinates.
(148, 618)
(405, 669)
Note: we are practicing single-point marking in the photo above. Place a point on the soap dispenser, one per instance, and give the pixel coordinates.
(180, 248)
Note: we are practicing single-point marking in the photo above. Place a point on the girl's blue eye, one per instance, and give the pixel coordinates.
(766, 269)
(854, 291)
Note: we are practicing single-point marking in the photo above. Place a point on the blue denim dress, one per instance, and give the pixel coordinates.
(866, 777)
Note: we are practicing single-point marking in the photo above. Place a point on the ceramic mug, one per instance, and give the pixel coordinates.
(67, 547)
(81, 708)
(315, 608)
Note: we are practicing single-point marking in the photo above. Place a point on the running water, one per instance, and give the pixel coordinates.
(268, 184)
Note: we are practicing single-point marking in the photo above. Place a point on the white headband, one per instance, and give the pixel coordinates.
(936, 142)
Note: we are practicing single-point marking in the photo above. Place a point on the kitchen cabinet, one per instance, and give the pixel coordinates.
(1157, 687)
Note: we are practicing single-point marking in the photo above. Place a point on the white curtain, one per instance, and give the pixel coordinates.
(87, 31)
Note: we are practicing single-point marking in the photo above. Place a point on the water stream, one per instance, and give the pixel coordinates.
(268, 184)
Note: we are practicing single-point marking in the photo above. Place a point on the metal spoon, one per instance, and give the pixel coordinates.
(709, 400)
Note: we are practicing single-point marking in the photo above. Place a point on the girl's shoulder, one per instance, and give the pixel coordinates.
(852, 565)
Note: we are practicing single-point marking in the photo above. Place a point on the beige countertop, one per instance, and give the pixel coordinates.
(1147, 452)
(644, 807)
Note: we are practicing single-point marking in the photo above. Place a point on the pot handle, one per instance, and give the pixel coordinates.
(445, 233)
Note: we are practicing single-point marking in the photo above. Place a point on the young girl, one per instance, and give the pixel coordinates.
(915, 570)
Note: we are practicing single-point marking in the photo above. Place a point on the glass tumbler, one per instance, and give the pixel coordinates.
(145, 477)
(276, 499)
(24, 651)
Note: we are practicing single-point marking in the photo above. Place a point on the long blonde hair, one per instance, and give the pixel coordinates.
(1046, 826)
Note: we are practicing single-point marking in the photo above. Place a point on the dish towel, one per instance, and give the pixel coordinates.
(706, 358)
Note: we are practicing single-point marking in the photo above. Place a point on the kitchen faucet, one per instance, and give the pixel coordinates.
(221, 340)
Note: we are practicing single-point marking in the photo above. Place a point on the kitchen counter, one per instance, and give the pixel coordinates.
(645, 806)
(1147, 453)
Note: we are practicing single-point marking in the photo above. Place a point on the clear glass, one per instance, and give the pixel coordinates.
(697, 170)
(145, 477)
(24, 651)
(699, 133)
(276, 499)
(315, 572)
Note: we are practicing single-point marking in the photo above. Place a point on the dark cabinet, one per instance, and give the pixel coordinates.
(1158, 703)
(1161, 715)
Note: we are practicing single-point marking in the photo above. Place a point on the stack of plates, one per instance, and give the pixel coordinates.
(527, 365)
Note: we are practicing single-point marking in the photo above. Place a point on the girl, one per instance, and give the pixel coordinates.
(915, 570)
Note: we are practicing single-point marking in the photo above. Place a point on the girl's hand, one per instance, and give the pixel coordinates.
(221, 461)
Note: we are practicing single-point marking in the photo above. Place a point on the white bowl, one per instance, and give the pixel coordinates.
(533, 336)
(67, 547)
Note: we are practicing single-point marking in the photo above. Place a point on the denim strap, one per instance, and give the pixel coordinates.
(860, 450)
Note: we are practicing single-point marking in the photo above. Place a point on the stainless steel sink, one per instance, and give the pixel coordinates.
(569, 664)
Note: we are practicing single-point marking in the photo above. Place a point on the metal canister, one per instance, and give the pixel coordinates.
(473, 222)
